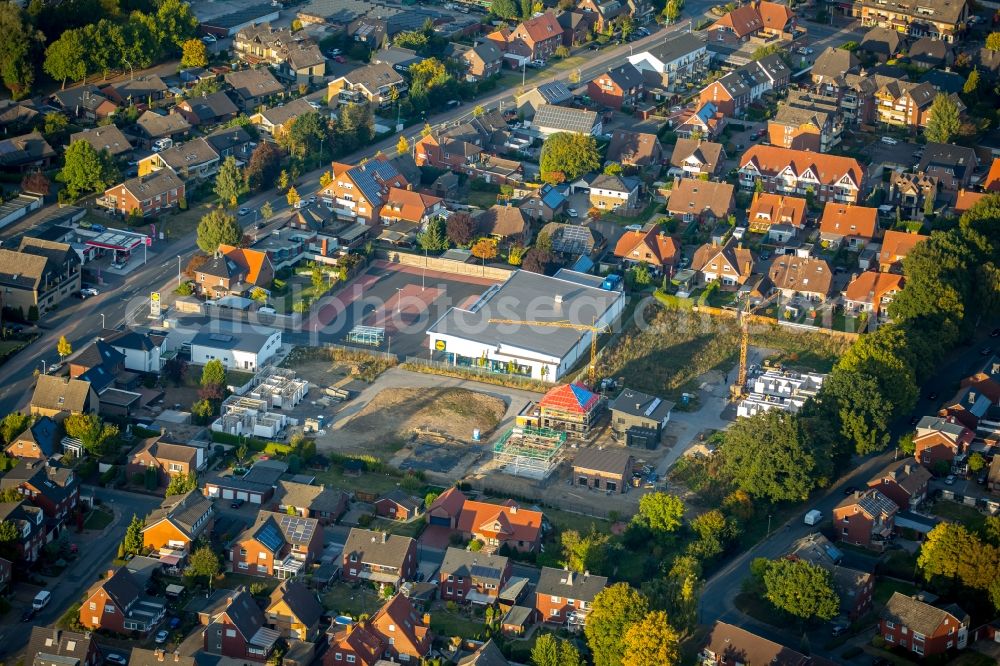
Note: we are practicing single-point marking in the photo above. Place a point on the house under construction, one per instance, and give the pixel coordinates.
(530, 452)
(278, 387)
(254, 413)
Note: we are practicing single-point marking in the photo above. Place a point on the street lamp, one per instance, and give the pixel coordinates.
(178, 270)
(398, 297)
(43, 366)
(103, 327)
(131, 72)
(769, 524)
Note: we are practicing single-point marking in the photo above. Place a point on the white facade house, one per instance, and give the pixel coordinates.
(143, 351)
(466, 337)
(777, 389)
(238, 347)
(676, 59)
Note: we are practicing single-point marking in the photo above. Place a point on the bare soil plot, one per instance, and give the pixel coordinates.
(396, 415)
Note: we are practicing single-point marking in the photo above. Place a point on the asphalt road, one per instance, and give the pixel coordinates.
(95, 556)
(722, 588)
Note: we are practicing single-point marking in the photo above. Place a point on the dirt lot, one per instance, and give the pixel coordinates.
(396, 414)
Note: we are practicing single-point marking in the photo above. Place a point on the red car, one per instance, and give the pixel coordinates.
(339, 58)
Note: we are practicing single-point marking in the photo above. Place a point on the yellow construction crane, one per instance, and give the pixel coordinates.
(595, 330)
(747, 316)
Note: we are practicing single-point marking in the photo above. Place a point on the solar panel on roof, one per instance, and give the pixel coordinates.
(298, 528)
(270, 537)
(481, 571)
(220, 337)
(573, 239)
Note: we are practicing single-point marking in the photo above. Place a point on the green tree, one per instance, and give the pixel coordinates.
(105, 43)
(640, 275)
(660, 512)
(229, 182)
(613, 169)
(715, 531)
(55, 124)
(203, 563)
(993, 41)
(977, 462)
(9, 536)
(266, 212)
(566, 156)
(906, 445)
(506, 9)
(678, 593)
(552, 651)
(864, 413)
(317, 280)
(802, 589)
(66, 58)
(305, 136)
(213, 374)
(943, 122)
(951, 551)
(182, 483)
(194, 53)
(762, 52)
(133, 543)
(434, 237)
(175, 23)
(613, 611)
(766, 456)
(671, 11)
(972, 82)
(218, 228)
(95, 435)
(19, 43)
(587, 552)
(12, 425)
(651, 642)
(86, 170)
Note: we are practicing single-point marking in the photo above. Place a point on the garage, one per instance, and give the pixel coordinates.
(227, 493)
(256, 498)
(242, 495)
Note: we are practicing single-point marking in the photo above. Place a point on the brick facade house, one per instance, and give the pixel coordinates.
(477, 578)
(865, 518)
(277, 545)
(911, 624)
(565, 597)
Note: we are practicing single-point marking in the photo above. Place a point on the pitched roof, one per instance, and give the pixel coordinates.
(301, 601)
(252, 261)
(157, 657)
(279, 115)
(625, 76)
(44, 432)
(188, 155)
(450, 502)
(184, 511)
(120, 586)
(377, 547)
(504, 221)
(650, 244)
(400, 614)
(775, 15)
(373, 76)
(730, 643)
(402, 498)
(834, 63)
(918, 616)
(272, 530)
(569, 584)
(482, 566)
(514, 523)
(881, 40)
(828, 169)
(634, 147)
(570, 398)
(209, 107)
(743, 20)
(871, 502)
(61, 393)
(243, 612)
(907, 474)
(767, 208)
(696, 196)
(801, 274)
(251, 83)
(564, 118)
(25, 149)
(966, 199)
(871, 286)
(675, 46)
(707, 153)
(487, 655)
(227, 139)
(157, 125)
(542, 27)
(409, 205)
(609, 461)
(149, 186)
(106, 137)
(46, 642)
(314, 498)
(372, 177)
(847, 220)
(732, 252)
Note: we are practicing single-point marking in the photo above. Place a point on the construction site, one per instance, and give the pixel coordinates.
(529, 452)
(253, 413)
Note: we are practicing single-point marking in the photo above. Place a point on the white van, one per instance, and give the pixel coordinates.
(41, 600)
(813, 517)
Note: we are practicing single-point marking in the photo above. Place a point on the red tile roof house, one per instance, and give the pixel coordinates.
(986, 379)
(277, 545)
(168, 458)
(788, 171)
(940, 439)
(405, 205)
(650, 246)
(117, 604)
(728, 645)
(565, 597)
(895, 246)
(702, 201)
(855, 226)
(866, 518)
(476, 578)
(536, 39)
(872, 292)
(913, 625)
(905, 483)
(378, 557)
(621, 86)
(496, 525)
(149, 195)
(407, 634)
(397, 505)
(358, 192)
(237, 629)
(52, 488)
(356, 644)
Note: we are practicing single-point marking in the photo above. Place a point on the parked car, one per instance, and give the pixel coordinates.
(932, 395)
(839, 629)
(572, 212)
(161, 636)
(244, 211)
(850, 490)
(175, 622)
(339, 59)
(89, 291)
(28, 615)
(949, 480)
(117, 659)
(209, 39)
(237, 503)
(889, 141)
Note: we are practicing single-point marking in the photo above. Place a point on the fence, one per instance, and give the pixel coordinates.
(444, 265)
(476, 374)
(363, 351)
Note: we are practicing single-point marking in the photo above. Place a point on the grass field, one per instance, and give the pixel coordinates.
(445, 623)
(959, 513)
(98, 519)
(347, 600)
(884, 589)
(671, 349)
(411, 529)
(368, 482)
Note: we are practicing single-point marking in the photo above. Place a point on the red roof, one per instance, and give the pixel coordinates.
(570, 398)
(502, 521)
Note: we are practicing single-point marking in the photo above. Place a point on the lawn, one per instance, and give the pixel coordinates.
(759, 609)
(564, 520)
(446, 623)
(959, 513)
(411, 529)
(367, 482)
(885, 587)
(98, 519)
(345, 599)
(10, 347)
(481, 199)
(234, 580)
(899, 564)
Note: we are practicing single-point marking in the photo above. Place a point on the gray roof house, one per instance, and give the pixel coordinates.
(106, 137)
(548, 93)
(551, 118)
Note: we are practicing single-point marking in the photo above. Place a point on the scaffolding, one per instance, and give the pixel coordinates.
(279, 387)
(530, 452)
(371, 336)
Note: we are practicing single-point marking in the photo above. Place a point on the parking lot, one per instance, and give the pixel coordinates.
(402, 300)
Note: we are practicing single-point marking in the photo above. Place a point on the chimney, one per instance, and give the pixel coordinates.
(159, 654)
(908, 468)
(177, 655)
(427, 618)
(385, 537)
(513, 509)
